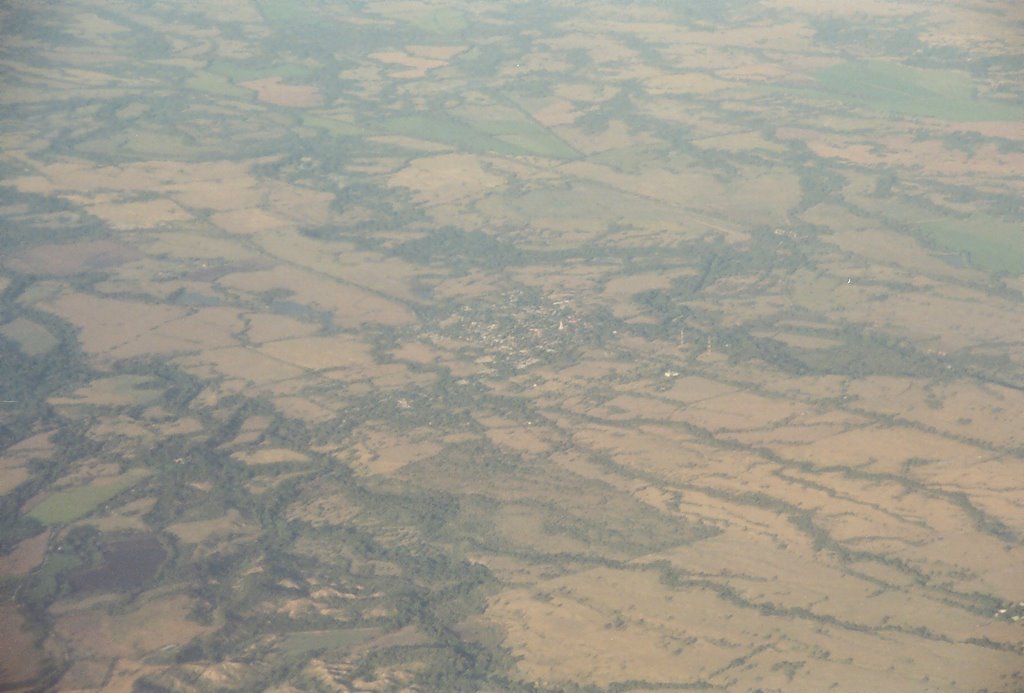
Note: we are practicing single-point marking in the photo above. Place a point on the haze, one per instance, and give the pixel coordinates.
(408, 345)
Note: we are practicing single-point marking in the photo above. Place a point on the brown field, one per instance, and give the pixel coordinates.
(382, 452)
(203, 531)
(270, 456)
(115, 391)
(418, 66)
(118, 329)
(153, 624)
(140, 215)
(446, 179)
(268, 327)
(71, 258)
(273, 91)
(350, 305)
(20, 659)
(26, 555)
(12, 476)
(241, 367)
(321, 353)
(509, 433)
(327, 509)
(188, 245)
(37, 446)
(987, 412)
(252, 220)
(126, 518)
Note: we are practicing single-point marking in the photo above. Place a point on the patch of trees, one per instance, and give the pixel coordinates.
(461, 250)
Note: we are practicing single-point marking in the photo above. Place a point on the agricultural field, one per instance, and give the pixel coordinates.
(511, 346)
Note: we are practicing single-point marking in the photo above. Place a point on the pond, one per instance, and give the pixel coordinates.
(127, 563)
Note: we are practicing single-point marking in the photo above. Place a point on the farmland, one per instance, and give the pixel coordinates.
(511, 346)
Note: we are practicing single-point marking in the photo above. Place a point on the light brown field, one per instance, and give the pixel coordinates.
(268, 327)
(382, 452)
(121, 427)
(622, 290)
(270, 456)
(14, 461)
(114, 391)
(156, 622)
(71, 258)
(368, 270)
(883, 449)
(12, 476)
(738, 142)
(325, 510)
(231, 525)
(986, 412)
(511, 434)
(304, 408)
(25, 556)
(20, 659)
(801, 341)
(87, 674)
(556, 112)
(885, 246)
(321, 353)
(686, 83)
(949, 320)
(272, 90)
(598, 624)
(411, 143)
(125, 518)
(190, 245)
(37, 446)
(418, 66)
(446, 179)
(241, 366)
(140, 215)
(351, 306)
(249, 221)
(117, 328)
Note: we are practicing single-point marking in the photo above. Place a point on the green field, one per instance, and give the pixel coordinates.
(528, 136)
(895, 88)
(31, 337)
(510, 138)
(238, 72)
(987, 243)
(218, 85)
(448, 131)
(142, 143)
(65, 506)
(332, 125)
(284, 12)
(444, 20)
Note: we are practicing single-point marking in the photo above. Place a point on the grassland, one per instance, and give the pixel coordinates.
(442, 21)
(31, 337)
(64, 506)
(890, 86)
(218, 83)
(988, 243)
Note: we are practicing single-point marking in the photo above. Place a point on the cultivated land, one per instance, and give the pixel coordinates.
(408, 345)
